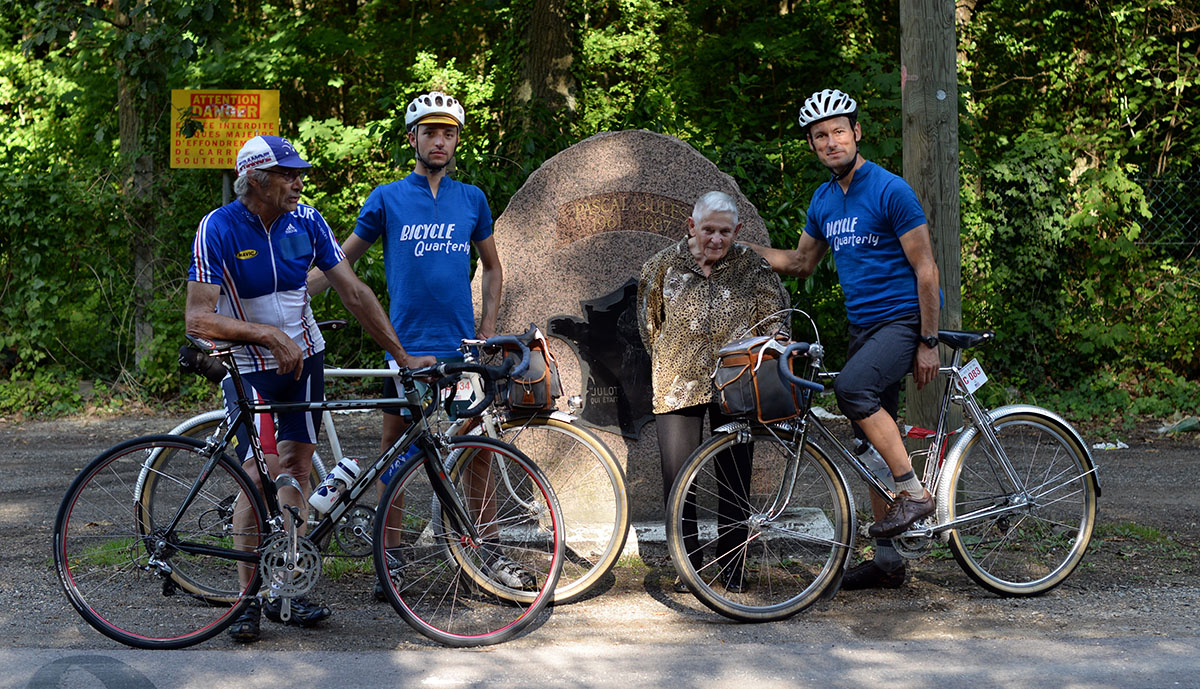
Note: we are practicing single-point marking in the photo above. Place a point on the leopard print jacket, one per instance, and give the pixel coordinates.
(686, 317)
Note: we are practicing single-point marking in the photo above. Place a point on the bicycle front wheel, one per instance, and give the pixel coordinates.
(590, 487)
(450, 586)
(758, 530)
(133, 577)
(1028, 529)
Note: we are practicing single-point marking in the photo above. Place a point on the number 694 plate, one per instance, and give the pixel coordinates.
(971, 377)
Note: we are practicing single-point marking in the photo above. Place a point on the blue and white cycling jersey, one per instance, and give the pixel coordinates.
(262, 273)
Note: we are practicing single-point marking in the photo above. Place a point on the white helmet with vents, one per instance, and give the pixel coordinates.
(434, 107)
(825, 104)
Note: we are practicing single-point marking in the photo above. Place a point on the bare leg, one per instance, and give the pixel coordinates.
(883, 433)
(243, 526)
(295, 459)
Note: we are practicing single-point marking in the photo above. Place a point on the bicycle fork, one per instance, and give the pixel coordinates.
(453, 506)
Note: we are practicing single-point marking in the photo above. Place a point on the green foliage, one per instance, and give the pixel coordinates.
(1064, 105)
(47, 393)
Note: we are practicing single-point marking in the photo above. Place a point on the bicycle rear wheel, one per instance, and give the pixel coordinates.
(450, 587)
(1028, 550)
(756, 530)
(590, 487)
(204, 425)
(132, 578)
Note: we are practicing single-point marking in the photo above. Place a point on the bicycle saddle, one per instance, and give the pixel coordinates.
(965, 339)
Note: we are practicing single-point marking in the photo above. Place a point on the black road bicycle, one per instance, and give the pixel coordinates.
(162, 541)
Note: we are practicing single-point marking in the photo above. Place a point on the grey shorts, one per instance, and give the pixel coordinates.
(880, 356)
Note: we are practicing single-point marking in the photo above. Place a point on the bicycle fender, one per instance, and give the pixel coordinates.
(562, 416)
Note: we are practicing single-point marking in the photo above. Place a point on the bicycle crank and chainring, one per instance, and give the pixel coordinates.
(288, 576)
(353, 531)
(912, 547)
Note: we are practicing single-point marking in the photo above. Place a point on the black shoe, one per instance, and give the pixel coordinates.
(868, 575)
(734, 580)
(245, 628)
(395, 562)
(901, 514)
(304, 613)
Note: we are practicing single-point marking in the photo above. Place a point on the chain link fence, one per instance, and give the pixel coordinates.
(1174, 223)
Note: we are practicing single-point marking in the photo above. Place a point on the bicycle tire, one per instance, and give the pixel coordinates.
(438, 579)
(1031, 551)
(590, 486)
(105, 543)
(793, 531)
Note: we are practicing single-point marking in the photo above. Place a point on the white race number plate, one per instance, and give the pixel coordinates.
(971, 377)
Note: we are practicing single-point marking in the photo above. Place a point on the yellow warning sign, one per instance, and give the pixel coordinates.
(209, 126)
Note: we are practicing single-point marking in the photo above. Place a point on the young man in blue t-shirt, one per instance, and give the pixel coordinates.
(874, 223)
(429, 222)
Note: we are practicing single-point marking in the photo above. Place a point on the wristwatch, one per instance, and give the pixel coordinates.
(929, 341)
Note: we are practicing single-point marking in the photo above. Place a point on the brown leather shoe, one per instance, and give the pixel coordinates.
(902, 514)
(868, 575)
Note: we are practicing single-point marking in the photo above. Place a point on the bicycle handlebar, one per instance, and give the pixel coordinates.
(785, 368)
(489, 374)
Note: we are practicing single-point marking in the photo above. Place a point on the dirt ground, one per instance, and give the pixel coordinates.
(1141, 576)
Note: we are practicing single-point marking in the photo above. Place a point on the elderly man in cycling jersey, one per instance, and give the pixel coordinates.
(874, 223)
(247, 282)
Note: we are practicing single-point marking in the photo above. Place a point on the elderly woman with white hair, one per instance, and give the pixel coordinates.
(693, 297)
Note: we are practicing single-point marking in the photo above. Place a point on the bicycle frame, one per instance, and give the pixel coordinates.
(976, 416)
(418, 433)
(489, 420)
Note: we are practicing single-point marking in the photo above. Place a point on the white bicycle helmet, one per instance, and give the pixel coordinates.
(434, 107)
(825, 104)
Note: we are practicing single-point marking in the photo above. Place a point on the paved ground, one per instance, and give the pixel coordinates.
(1130, 609)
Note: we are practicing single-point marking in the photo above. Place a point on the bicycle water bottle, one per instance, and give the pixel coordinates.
(875, 462)
(335, 482)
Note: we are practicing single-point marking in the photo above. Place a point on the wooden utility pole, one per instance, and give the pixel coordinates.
(929, 103)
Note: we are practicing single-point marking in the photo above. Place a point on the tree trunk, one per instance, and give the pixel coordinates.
(137, 181)
(546, 79)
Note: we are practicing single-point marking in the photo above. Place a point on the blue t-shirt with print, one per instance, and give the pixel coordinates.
(427, 258)
(863, 227)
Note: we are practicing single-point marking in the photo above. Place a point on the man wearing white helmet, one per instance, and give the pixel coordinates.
(429, 222)
(246, 282)
(874, 223)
